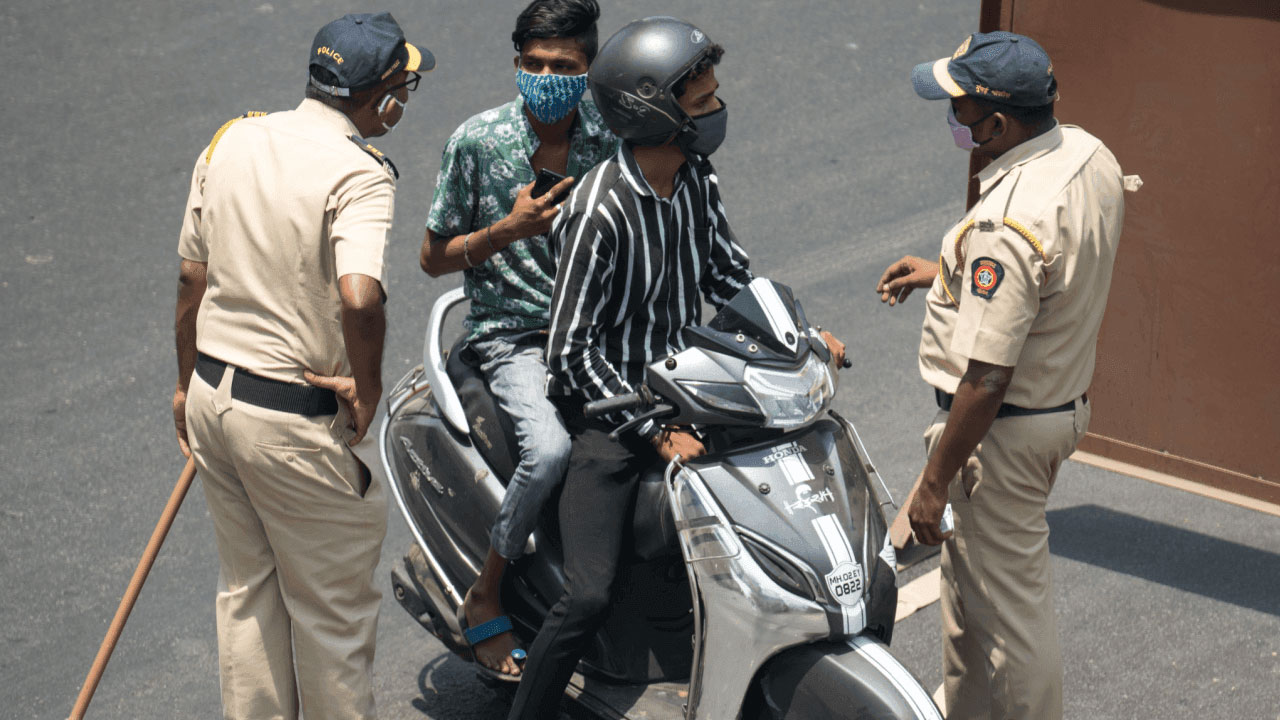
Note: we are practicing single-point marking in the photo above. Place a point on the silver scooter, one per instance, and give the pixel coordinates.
(760, 582)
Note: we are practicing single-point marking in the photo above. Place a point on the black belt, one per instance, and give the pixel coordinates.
(1007, 410)
(268, 393)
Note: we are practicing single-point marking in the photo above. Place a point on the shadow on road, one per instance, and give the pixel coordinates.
(1176, 557)
(449, 690)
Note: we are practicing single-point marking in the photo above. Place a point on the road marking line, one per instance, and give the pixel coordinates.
(919, 593)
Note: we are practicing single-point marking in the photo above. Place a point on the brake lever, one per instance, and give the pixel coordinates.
(659, 410)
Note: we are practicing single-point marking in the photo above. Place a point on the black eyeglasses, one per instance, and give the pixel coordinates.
(411, 83)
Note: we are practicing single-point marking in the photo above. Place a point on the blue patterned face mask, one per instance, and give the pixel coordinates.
(551, 97)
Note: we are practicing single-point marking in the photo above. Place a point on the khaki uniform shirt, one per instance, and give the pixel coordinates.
(284, 206)
(1023, 278)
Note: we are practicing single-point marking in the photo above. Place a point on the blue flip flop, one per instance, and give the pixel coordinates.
(484, 631)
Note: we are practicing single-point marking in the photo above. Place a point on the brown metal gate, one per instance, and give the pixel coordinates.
(1186, 93)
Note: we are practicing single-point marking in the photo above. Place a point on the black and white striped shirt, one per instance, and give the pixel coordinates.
(631, 265)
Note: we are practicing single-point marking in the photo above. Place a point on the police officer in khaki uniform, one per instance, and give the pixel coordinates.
(1010, 329)
(281, 282)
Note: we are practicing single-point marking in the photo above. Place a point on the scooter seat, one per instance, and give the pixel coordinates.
(492, 433)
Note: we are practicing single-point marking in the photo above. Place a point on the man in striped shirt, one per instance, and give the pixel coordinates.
(642, 237)
(637, 244)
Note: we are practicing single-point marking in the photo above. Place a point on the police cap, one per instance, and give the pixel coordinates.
(1000, 66)
(362, 50)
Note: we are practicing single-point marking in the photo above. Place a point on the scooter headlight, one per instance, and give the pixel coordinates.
(790, 398)
(704, 532)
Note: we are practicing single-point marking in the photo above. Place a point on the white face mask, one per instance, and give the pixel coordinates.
(963, 134)
(385, 106)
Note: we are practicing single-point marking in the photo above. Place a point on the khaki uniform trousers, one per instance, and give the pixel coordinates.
(1000, 653)
(297, 609)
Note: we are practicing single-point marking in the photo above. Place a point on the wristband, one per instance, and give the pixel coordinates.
(488, 238)
(466, 250)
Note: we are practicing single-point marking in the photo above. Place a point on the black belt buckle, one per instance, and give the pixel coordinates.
(306, 400)
(208, 370)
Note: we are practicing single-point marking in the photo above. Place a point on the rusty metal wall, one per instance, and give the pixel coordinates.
(1186, 93)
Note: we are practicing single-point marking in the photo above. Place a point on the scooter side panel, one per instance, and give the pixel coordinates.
(447, 488)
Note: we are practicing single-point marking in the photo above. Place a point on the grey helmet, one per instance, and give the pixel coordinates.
(632, 77)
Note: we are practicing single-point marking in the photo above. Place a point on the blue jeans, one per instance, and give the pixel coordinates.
(516, 368)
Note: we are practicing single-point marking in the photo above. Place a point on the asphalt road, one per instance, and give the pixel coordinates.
(1167, 602)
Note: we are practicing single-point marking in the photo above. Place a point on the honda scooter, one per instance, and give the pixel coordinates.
(760, 582)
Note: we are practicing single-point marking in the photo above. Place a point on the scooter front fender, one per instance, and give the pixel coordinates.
(857, 678)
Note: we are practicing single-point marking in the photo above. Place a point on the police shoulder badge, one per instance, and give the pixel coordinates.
(208, 156)
(378, 155)
(986, 275)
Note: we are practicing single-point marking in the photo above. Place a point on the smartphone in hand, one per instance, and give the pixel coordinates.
(948, 523)
(548, 179)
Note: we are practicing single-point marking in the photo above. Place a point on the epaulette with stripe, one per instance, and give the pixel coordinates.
(378, 155)
(218, 135)
(988, 225)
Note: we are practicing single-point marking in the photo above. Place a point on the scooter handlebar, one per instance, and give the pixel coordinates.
(618, 403)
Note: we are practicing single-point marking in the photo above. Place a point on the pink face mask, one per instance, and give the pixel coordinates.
(963, 134)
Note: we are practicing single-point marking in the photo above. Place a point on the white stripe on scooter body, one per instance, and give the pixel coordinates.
(898, 676)
(776, 311)
(840, 552)
(795, 469)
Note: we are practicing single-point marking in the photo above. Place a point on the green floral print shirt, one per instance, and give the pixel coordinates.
(485, 164)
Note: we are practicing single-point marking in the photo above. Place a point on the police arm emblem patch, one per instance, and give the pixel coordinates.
(986, 275)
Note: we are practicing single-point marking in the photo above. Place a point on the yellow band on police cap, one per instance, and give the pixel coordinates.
(415, 58)
(944, 78)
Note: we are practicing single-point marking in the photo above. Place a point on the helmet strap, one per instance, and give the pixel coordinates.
(695, 160)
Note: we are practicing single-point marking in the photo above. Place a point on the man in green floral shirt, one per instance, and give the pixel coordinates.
(485, 222)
